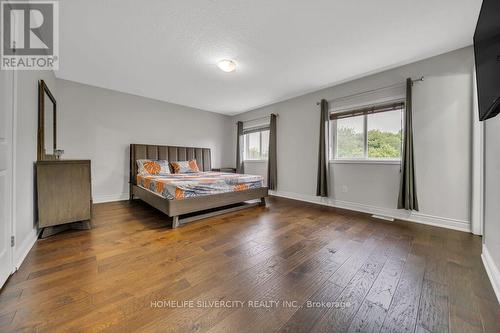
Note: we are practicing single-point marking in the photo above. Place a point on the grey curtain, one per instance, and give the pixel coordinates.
(272, 169)
(239, 148)
(322, 184)
(407, 188)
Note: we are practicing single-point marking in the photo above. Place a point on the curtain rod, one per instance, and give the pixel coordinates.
(264, 117)
(373, 90)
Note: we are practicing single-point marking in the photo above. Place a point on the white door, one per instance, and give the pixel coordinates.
(6, 110)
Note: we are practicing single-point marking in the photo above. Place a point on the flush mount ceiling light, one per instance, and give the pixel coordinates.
(227, 65)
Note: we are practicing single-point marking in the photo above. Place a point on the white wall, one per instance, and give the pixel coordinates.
(26, 114)
(442, 126)
(491, 249)
(100, 124)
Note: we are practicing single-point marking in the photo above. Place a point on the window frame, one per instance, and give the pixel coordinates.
(365, 159)
(246, 131)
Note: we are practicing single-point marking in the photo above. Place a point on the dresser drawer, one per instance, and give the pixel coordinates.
(63, 191)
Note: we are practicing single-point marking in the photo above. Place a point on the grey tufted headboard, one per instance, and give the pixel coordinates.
(168, 153)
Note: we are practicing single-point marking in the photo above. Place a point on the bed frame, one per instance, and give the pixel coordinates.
(176, 208)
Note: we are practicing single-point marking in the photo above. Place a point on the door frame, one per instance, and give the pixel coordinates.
(13, 170)
(477, 183)
(10, 153)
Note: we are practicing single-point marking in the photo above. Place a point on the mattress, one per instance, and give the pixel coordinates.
(190, 185)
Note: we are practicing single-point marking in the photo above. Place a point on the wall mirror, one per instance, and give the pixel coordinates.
(47, 121)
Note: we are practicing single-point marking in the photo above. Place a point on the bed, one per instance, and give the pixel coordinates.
(181, 195)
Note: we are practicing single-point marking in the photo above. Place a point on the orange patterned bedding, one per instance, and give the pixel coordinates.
(188, 185)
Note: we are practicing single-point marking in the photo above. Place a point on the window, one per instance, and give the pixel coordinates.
(350, 138)
(256, 143)
(367, 133)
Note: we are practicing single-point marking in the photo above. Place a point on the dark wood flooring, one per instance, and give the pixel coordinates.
(329, 270)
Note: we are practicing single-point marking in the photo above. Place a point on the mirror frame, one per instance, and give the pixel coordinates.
(43, 90)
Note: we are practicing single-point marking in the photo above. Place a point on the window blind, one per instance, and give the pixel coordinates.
(367, 110)
(255, 129)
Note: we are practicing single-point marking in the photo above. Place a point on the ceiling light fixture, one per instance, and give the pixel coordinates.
(227, 65)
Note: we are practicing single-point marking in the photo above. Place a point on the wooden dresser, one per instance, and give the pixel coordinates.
(63, 195)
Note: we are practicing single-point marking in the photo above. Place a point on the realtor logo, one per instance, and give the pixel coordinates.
(30, 35)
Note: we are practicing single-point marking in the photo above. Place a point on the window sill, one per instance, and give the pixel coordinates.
(389, 162)
(255, 161)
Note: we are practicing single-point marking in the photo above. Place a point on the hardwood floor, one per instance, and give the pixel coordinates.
(295, 267)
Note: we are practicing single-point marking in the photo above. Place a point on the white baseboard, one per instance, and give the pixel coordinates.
(492, 271)
(21, 251)
(100, 198)
(399, 214)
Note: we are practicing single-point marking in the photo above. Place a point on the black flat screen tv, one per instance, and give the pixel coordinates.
(487, 56)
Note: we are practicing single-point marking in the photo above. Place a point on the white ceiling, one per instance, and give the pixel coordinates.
(168, 49)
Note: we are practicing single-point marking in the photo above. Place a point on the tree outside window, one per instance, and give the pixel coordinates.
(375, 136)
